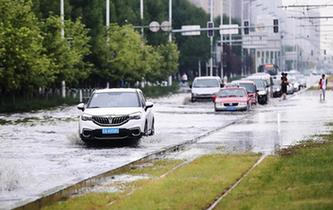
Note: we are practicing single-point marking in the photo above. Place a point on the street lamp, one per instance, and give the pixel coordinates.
(62, 19)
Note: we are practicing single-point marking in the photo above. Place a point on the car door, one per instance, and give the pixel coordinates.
(147, 112)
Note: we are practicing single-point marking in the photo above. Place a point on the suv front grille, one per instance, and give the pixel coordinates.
(111, 120)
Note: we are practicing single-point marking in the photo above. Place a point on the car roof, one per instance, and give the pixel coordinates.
(208, 77)
(117, 90)
(234, 88)
(246, 81)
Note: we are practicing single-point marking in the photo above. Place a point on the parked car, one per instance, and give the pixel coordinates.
(205, 87)
(112, 114)
(263, 89)
(251, 89)
(232, 99)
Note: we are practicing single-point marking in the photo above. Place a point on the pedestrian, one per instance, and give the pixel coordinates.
(323, 86)
(184, 78)
(284, 85)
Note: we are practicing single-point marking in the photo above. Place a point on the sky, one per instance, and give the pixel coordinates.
(326, 24)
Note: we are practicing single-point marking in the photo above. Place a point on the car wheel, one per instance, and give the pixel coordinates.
(152, 129)
(193, 99)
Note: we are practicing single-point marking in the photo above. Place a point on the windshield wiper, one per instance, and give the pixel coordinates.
(94, 107)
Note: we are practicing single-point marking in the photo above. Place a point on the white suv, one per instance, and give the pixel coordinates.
(116, 114)
(205, 87)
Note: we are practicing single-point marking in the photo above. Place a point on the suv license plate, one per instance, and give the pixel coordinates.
(110, 131)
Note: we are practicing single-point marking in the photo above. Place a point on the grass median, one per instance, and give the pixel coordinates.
(301, 177)
(193, 186)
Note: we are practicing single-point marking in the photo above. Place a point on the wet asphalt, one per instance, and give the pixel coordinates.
(41, 151)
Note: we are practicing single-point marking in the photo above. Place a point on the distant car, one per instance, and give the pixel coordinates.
(277, 89)
(205, 87)
(113, 114)
(232, 99)
(251, 89)
(263, 89)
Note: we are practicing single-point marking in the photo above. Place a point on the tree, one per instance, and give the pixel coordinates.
(168, 63)
(120, 54)
(67, 54)
(24, 62)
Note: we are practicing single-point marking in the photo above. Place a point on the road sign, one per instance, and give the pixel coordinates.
(191, 30)
(154, 26)
(166, 26)
(229, 29)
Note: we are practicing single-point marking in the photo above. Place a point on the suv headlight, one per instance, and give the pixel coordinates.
(135, 116)
(86, 117)
(242, 104)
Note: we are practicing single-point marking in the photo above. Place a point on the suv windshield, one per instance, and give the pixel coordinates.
(250, 88)
(231, 93)
(114, 99)
(203, 83)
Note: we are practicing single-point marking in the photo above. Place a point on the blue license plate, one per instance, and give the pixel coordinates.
(110, 131)
(231, 108)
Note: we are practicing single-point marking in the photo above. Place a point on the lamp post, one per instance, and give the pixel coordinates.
(62, 18)
(211, 38)
(170, 19)
(222, 72)
(141, 17)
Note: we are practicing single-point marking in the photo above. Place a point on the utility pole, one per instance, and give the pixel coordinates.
(170, 19)
(211, 38)
(242, 33)
(62, 18)
(170, 34)
(230, 22)
(141, 17)
(107, 21)
(222, 72)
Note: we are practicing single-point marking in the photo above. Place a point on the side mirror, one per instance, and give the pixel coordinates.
(222, 85)
(80, 106)
(191, 86)
(149, 105)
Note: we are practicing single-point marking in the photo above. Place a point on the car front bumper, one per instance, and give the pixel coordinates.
(96, 134)
(219, 107)
(88, 130)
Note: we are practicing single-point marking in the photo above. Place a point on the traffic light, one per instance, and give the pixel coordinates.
(246, 27)
(210, 26)
(275, 25)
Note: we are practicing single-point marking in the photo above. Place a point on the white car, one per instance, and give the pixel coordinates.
(205, 87)
(113, 114)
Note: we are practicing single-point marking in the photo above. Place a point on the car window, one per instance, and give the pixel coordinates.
(114, 99)
(232, 93)
(250, 88)
(142, 99)
(206, 83)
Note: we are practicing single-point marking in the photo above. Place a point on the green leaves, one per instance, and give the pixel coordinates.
(32, 53)
(124, 56)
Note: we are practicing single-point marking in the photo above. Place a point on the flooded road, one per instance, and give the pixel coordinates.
(41, 151)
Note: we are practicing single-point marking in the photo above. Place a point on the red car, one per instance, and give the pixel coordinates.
(251, 89)
(232, 99)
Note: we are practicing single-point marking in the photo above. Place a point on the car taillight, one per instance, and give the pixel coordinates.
(214, 98)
